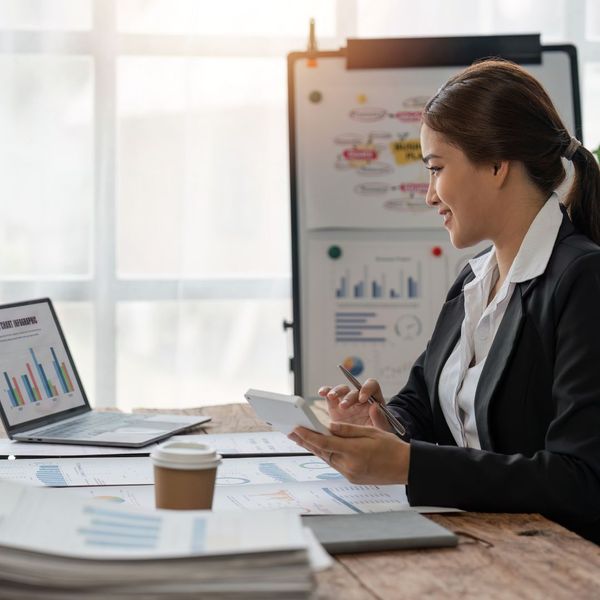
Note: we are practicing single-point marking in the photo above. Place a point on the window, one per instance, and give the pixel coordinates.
(144, 172)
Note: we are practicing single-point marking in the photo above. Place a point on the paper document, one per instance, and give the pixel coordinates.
(140, 496)
(64, 472)
(304, 483)
(309, 498)
(38, 520)
(137, 470)
(314, 497)
(14, 448)
(265, 443)
(262, 443)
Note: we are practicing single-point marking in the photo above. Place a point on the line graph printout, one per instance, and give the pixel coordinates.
(314, 498)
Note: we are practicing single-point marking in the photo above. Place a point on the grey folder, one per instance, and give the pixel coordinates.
(341, 534)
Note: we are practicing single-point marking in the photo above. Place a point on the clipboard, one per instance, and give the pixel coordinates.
(341, 534)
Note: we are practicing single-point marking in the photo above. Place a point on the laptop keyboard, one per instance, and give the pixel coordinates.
(85, 423)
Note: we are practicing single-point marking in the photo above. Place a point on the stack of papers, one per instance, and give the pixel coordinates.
(52, 547)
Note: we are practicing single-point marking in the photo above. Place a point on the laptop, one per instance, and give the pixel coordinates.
(41, 395)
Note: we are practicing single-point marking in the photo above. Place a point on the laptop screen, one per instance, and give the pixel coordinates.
(37, 375)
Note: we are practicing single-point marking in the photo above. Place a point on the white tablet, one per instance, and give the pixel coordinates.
(284, 412)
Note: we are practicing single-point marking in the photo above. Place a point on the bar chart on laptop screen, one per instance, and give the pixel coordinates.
(25, 387)
(36, 377)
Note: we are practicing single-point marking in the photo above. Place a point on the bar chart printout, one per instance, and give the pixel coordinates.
(108, 527)
(33, 383)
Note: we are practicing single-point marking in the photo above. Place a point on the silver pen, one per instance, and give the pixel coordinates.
(391, 419)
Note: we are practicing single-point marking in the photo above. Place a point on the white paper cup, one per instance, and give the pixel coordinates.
(184, 475)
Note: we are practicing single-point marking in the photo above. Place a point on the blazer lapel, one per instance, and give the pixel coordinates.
(496, 363)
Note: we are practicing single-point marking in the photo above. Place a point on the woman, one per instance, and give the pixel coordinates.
(502, 410)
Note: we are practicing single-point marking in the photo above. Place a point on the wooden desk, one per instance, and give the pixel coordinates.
(521, 556)
(499, 556)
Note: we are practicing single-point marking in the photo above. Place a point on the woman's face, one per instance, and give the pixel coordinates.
(460, 190)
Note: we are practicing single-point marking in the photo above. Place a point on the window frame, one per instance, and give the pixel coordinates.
(104, 289)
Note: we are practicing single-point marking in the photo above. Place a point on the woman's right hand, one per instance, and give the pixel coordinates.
(351, 406)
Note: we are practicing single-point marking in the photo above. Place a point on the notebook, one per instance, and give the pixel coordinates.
(340, 534)
(41, 395)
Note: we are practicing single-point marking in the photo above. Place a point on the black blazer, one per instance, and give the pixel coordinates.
(537, 404)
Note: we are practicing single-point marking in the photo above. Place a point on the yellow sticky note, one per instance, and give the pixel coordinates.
(406, 151)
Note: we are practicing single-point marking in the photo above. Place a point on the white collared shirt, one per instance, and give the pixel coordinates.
(460, 375)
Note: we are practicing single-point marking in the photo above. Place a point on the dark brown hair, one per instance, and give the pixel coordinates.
(495, 110)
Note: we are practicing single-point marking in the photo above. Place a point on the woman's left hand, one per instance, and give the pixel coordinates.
(361, 454)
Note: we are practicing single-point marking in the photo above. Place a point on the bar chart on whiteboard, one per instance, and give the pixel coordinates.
(373, 305)
(391, 277)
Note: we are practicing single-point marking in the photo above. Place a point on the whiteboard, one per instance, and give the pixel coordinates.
(372, 263)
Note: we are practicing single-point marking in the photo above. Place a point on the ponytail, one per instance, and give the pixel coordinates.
(583, 200)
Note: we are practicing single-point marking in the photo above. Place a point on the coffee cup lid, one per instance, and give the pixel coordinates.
(185, 455)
